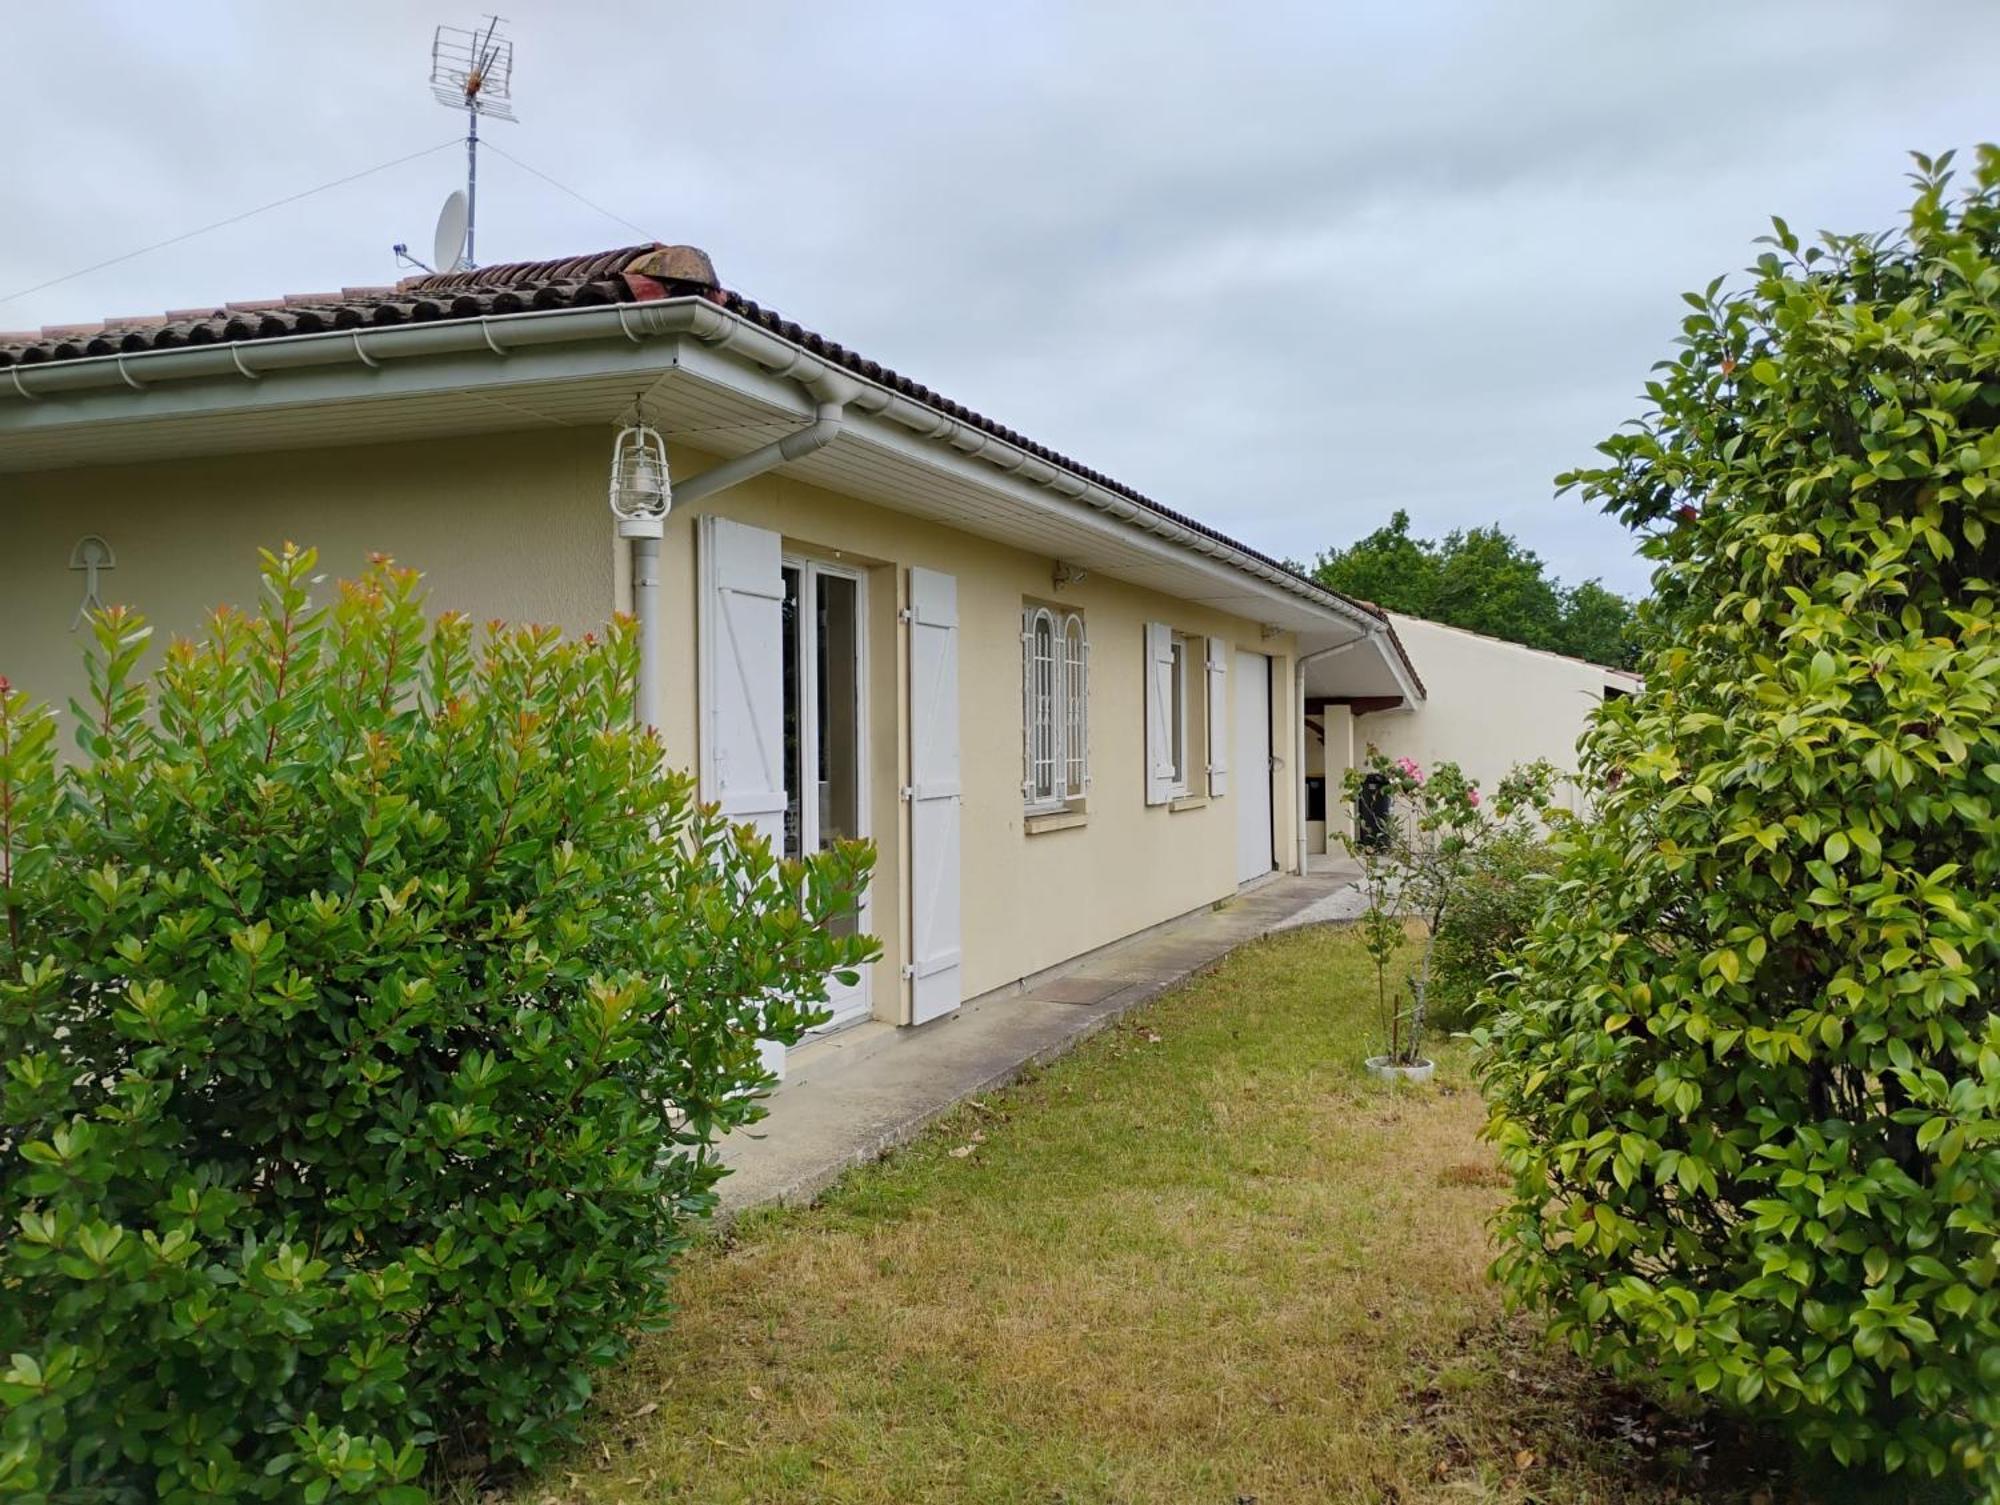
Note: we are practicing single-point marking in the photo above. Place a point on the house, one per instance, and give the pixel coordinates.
(1062, 711)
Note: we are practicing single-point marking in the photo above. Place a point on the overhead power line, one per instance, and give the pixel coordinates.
(292, 198)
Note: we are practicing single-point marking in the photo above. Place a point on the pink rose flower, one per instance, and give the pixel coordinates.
(1472, 795)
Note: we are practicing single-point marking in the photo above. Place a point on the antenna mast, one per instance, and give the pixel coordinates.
(472, 70)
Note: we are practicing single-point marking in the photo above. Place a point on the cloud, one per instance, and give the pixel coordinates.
(1284, 266)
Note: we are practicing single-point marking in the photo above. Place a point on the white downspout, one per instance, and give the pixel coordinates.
(794, 446)
(643, 535)
(1299, 760)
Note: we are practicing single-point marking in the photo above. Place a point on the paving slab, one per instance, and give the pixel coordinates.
(1078, 989)
(852, 1097)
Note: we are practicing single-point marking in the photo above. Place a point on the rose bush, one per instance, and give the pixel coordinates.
(1424, 839)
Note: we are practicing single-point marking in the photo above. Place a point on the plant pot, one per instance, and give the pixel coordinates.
(1380, 1066)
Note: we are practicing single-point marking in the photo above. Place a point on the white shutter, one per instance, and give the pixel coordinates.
(1159, 709)
(742, 693)
(934, 796)
(1076, 707)
(1218, 716)
(742, 675)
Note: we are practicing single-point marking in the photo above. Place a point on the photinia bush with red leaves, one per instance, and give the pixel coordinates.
(371, 1000)
(1746, 1072)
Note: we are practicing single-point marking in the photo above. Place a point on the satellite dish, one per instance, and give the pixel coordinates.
(449, 241)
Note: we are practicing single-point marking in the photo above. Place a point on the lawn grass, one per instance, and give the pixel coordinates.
(1202, 1259)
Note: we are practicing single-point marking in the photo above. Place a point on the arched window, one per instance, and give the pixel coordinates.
(1055, 669)
(1075, 708)
(1043, 671)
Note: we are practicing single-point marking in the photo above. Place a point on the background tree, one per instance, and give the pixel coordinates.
(1599, 625)
(1484, 580)
(1748, 1076)
(1488, 583)
(1388, 567)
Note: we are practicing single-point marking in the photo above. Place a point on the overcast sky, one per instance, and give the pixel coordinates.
(1286, 267)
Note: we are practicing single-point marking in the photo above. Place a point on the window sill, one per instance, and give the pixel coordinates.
(1055, 820)
(1187, 802)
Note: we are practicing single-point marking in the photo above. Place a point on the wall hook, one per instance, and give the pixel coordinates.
(93, 556)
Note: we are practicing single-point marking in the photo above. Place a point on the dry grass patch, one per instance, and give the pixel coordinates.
(1203, 1259)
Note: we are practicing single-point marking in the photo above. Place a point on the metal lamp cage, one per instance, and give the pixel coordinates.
(640, 484)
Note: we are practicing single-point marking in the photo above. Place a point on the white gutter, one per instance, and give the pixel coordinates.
(506, 334)
(733, 333)
(502, 334)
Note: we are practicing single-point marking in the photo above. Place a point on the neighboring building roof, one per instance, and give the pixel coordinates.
(632, 274)
(1486, 637)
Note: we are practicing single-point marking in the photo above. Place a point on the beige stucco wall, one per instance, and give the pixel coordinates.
(1491, 705)
(510, 526)
(514, 527)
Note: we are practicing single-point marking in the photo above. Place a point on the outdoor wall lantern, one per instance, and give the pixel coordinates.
(641, 489)
(641, 494)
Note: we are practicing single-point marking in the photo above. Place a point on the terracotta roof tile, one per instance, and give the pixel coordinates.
(630, 274)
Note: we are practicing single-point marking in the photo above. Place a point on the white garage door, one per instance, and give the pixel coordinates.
(1252, 791)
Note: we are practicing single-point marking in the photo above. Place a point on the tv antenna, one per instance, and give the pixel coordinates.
(471, 70)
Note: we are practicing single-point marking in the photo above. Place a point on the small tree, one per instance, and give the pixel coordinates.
(1420, 838)
(1747, 1078)
(370, 1003)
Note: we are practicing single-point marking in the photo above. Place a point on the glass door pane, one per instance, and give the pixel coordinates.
(837, 681)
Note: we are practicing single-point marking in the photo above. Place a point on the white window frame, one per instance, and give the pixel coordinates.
(1055, 710)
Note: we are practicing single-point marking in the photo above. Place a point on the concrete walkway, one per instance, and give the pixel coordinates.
(1344, 902)
(853, 1096)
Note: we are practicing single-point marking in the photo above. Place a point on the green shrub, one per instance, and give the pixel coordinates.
(1748, 1079)
(1496, 904)
(370, 1001)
